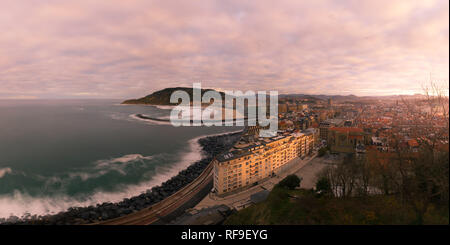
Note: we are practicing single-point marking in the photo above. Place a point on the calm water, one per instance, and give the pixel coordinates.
(60, 153)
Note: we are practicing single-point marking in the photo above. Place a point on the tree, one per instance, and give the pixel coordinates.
(419, 175)
(323, 186)
(352, 177)
(290, 182)
(322, 151)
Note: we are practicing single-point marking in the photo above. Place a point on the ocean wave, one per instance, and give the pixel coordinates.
(165, 107)
(100, 168)
(123, 159)
(149, 121)
(121, 116)
(20, 203)
(118, 164)
(5, 171)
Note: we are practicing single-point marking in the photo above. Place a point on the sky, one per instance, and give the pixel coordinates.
(128, 49)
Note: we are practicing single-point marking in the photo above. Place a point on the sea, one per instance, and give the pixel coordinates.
(56, 154)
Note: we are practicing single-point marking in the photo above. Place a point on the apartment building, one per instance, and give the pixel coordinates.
(329, 123)
(348, 140)
(247, 163)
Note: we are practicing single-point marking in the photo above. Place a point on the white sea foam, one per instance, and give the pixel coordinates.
(101, 167)
(118, 164)
(123, 159)
(85, 176)
(19, 203)
(149, 121)
(5, 171)
(117, 116)
(165, 107)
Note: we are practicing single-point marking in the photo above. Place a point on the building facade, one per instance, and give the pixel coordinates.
(348, 140)
(247, 163)
(324, 126)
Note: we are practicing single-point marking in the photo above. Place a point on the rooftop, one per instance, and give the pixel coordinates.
(347, 130)
(246, 148)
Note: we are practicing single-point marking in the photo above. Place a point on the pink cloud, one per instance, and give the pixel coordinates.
(129, 48)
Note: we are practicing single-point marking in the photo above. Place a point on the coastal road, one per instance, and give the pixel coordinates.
(157, 212)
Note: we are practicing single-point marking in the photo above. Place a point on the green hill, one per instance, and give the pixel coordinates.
(162, 97)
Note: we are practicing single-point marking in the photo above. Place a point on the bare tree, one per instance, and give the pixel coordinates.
(421, 175)
(416, 169)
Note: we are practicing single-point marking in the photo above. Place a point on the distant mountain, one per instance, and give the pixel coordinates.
(301, 96)
(319, 97)
(350, 97)
(162, 97)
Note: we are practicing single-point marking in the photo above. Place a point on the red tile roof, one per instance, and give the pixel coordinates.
(413, 143)
(355, 137)
(347, 130)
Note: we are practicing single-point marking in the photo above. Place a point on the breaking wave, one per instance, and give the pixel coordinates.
(151, 122)
(118, 164)
(20, 203)
(5, 171)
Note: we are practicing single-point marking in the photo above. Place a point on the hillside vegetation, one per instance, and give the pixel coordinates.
(304, 207)
(162, 97)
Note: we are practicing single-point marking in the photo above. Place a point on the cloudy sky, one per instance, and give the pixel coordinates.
(127, 49)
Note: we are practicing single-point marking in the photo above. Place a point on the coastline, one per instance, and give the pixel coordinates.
(208, 145)
(164, 121)
(162, 107)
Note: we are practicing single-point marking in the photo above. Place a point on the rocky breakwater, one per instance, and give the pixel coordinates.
(211, 146)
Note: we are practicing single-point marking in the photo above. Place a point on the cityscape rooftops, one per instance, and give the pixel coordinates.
(347, 130)
(333, 121)
(413, 143)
